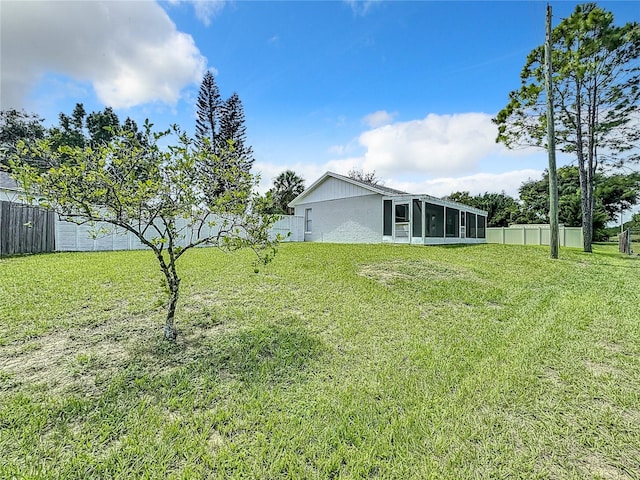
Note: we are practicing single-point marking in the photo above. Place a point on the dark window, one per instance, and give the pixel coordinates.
(471, 225)
(434, 220)
(453, 222)
(402, 213)
(387, 224)
(417, 218)
(482, 222)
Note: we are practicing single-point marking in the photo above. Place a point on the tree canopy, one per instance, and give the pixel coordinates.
(16, 126)
(221, 130)
(596, 98)
(157, 194)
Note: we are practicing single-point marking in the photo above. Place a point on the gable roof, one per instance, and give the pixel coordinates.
(7, 183)
(379, 189)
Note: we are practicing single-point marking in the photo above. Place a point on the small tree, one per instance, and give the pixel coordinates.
(158, 195)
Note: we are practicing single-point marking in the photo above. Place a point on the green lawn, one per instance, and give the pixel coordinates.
(335, 361)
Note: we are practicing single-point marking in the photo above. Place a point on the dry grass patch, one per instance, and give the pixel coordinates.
(389, 272)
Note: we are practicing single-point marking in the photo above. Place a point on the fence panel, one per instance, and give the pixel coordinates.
(72, 237)
(25, 229)
(534, 235)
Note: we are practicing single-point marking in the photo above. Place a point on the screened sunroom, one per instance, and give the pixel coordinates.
(426, 220)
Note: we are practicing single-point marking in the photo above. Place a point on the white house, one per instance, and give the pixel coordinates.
(343, 210)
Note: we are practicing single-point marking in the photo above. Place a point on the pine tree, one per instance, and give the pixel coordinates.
(233, 129)
(208, 112)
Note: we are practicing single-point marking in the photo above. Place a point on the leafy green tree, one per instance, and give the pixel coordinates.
(502, 210)
(70, 131)
(614, 192)
(534, 195)
(94, 129)
(159, 195)
(15, 126)
(618, 193)
(102, 126)
(596, 79)
(286, 186)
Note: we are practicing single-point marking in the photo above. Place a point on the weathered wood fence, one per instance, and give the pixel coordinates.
(25, 229)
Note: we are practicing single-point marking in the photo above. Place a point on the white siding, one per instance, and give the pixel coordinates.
(347, 220)
(7, 195)
(333, 188)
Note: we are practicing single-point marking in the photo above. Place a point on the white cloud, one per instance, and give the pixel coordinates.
(379, 118)
(476, 184)
(435, 145)
(130, 52)
(205, 10)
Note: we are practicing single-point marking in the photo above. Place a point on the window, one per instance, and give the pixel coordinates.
(402, 213)
(453, 222)
(307, 220)
(434, 220)
(482, 222)
(417, 218)
(387, 221)
(471, 225)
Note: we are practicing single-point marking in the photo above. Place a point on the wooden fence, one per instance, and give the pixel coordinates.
(25, 229)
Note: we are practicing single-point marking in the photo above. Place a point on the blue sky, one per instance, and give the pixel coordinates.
(403, 88)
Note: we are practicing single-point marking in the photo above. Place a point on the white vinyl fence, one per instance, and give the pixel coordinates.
(534, 235)
(70, 237)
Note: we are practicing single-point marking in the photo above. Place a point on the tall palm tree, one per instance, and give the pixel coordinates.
(286, 186)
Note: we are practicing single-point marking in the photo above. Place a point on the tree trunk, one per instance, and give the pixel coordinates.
(587, 226)
(170, 332)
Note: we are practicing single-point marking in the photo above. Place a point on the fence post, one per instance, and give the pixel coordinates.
(624, 242)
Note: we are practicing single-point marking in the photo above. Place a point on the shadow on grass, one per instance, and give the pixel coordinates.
(269, 353)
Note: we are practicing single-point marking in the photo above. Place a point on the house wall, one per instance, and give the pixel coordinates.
(357, 219)
(8, 195)
(333, 188)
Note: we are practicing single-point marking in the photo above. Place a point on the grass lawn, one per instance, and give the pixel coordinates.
(335, 361)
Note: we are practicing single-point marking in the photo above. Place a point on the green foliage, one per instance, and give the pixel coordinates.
(502, 210)
(618, 193)
(596, 84)
(221, 132)
(18, 126)
(286, 186)
(81, 130)
(233, 131)
(159, 195)
(612, 192)
(208, 112)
